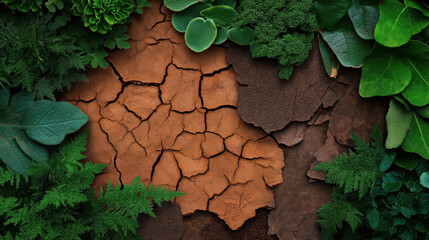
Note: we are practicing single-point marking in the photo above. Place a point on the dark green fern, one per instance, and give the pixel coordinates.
(56, 201)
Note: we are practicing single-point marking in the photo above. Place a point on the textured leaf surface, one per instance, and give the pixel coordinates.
(222, 16)
(364, 19)
(417, 140)
(25, 125)
(330, 61)
(179, 5)
(200, 34)
(181, 19)
(329, 13)
(398, 121)
(398, 22)
(349, 48)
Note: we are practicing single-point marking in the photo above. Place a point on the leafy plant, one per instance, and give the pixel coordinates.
(36, 57)
(393, 65)
(208, 22)
(55, 200)
(27, 125)
(24, 5)
(284, 30)
(393, 202)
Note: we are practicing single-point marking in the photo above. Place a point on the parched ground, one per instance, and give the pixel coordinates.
(170, 115)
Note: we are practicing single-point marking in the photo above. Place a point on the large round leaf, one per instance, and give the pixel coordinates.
(181, 19)
(424, 179)
(398, 22)
(200, 34)
(179, 5)
(222, 35)
(222, 16)
(349, 48)
(364, 19)
(398, 121)
(241, 36)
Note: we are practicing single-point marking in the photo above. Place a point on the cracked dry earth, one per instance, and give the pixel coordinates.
(170, 115)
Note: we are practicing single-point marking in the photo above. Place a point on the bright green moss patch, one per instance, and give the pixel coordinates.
(284, 30)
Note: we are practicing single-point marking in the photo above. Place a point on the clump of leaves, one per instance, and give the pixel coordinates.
(37, 58)
(24, 5)
(396, 63)
(100, 15)
(27, 126)
(55, 200)
(284, 30)
(208, 22)
(378, 194)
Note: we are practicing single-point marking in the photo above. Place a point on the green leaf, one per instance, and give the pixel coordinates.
(392, 182)
(222, 35)
(423, 111)
(330, 61)
(373, 217)
(364, 19)
(231, 3)
(349, 48)
(418, 5)
(417, 140)
(329, 13)
(200, 34)
(179, 5)
(241, 36)
(384, 73)
(385, 158)
(222, 16)
(398, 23)
(423, 226)
(408, 162)
(25, 125)
(181, 19)
(398, 121)
(424, 179)
(417, 92)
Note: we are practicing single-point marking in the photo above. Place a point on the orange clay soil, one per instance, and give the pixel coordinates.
(170, 115)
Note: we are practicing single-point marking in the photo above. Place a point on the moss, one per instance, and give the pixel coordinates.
(284, 30)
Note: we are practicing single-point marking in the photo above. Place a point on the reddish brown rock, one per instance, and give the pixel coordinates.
(170, 115)
(291, 135)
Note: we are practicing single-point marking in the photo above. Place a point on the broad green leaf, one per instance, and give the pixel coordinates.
(364, 19)
(424, 179)
(329, 13)
(417, 92)
(408, 162)
(398, 121)
(418, 5)
(223, 16)
(200, 34)
(179, 5)
(384, 73)
(398, 23)
(26, 124)
(373, 217)
(330, 61)
(404, 102)
(417, 139)
(385, 158)
(222, 35)
(181, 19)
(241, 36)
(423, 111)
(231, 3)
(423, 226)
(349, 48)
(392, 182)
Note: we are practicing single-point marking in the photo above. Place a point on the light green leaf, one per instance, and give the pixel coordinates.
(384, 73)
(200, 34)
(364, 19)
(349, 48)
(179, 5)
(424, 179)
(181, 19)
(398, 121)
(241, 36)
(222, 35)
(330, 61)
(329, 12)
(417, 140)
(222, 16)
(398, 23)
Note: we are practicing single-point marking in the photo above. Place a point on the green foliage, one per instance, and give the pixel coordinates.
(37, 58)
(397, 205)
(197, 18)
(284, 30)
(395, 65)
(27, 125)
(358, 171)
(56, 200)
(24, 5)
